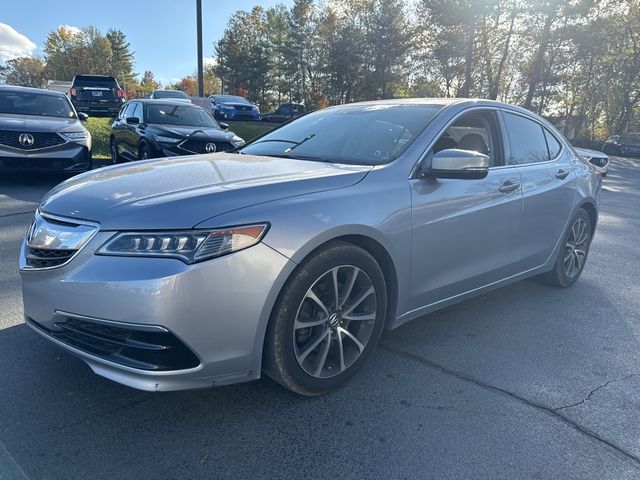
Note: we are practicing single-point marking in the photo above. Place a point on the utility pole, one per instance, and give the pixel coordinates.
(200, 66)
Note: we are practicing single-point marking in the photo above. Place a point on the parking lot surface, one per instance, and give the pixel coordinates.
(529, 381)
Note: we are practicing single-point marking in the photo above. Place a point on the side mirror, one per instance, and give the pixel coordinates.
(460, 164)
(133, 120)
(224, 126)
(83, 116)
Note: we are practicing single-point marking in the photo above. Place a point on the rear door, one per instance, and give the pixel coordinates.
(96, 90)
(465, 232)
(548, 186)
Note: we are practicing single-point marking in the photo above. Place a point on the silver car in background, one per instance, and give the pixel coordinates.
(599, 160)
(292, 256)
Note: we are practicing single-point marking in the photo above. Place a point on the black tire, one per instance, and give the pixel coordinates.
(561, 276)
(144, 152)
(113, 148)
(280, 360)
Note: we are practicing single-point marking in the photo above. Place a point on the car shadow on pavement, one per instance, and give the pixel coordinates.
(59, 420)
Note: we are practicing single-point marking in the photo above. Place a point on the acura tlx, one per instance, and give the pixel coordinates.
(293, 254)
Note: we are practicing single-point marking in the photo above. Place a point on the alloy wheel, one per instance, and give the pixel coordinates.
(334, 321)
(575, 252)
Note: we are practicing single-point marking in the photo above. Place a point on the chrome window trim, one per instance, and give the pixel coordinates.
(544, 127)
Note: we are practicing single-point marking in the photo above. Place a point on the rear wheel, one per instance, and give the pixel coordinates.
(327, 320)
(113, 148)
(573, 252)
(145, 152)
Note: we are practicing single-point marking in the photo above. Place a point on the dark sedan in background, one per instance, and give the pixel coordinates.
(284, 113)
(164, 128)
(41, 131)
(627, 144)
(96, 94)
(233, 107)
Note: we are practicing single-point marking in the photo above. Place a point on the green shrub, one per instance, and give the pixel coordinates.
(100, 129)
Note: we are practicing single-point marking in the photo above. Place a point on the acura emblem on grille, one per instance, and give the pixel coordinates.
(210, 147)
(26, 139)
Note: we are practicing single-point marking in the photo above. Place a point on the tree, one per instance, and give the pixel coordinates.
(121, 56)
(25, 71)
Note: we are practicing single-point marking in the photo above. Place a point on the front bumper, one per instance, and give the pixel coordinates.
(238, 115)
(67, 157)
(216, 309)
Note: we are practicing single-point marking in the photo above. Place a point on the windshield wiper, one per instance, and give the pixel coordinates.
(300, 143)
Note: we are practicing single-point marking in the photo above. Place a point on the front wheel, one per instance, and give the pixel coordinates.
(327, 320)
(573, 253)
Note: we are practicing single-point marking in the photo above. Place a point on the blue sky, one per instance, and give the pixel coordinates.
(161, 32)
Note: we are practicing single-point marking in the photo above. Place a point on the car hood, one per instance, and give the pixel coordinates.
(182, 192)
(212, 133)
(35, 124)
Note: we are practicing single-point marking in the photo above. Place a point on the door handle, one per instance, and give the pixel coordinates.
(562, 174)
(509, 186)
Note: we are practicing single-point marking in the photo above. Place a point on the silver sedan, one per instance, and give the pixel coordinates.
(293, 255)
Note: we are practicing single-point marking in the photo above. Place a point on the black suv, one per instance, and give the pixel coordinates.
(96, 94)
(284, 113)
(164, 128)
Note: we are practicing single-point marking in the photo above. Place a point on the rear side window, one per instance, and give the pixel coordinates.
(527, 140)
(553, 144)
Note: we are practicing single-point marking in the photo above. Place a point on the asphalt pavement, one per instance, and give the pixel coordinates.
(527, 382)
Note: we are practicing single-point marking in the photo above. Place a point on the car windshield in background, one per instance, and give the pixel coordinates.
(23, 103)
(361, 134)
(170, 94)
(630, 137)
(180, 115)
(230, 99)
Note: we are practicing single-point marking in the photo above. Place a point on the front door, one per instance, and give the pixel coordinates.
(465, 232)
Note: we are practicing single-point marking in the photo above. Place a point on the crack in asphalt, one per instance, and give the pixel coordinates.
(15, 213)
(592, 392)
(628, 456)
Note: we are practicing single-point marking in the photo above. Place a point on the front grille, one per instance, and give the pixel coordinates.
(158, 350)
(200, 146)
(11, 138)
(46, 258)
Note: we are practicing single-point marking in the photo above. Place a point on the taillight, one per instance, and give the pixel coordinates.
(72, 92)
(121, 93)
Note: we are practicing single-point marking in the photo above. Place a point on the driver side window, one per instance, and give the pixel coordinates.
(476, 131)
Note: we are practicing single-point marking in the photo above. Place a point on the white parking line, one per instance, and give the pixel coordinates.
(9, 469)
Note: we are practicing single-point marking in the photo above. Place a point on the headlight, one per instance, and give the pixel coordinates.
(162, 139)
(79, 135)
(236, 141)
(190, 246)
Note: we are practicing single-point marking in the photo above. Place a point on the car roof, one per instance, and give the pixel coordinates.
(168, 90)
(162, 101)
(43, 91)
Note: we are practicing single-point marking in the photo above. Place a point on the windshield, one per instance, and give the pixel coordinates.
(29, 103)
(230, 99)
(359, 134)
(180, 115)
(630, 137)
(170, 94)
